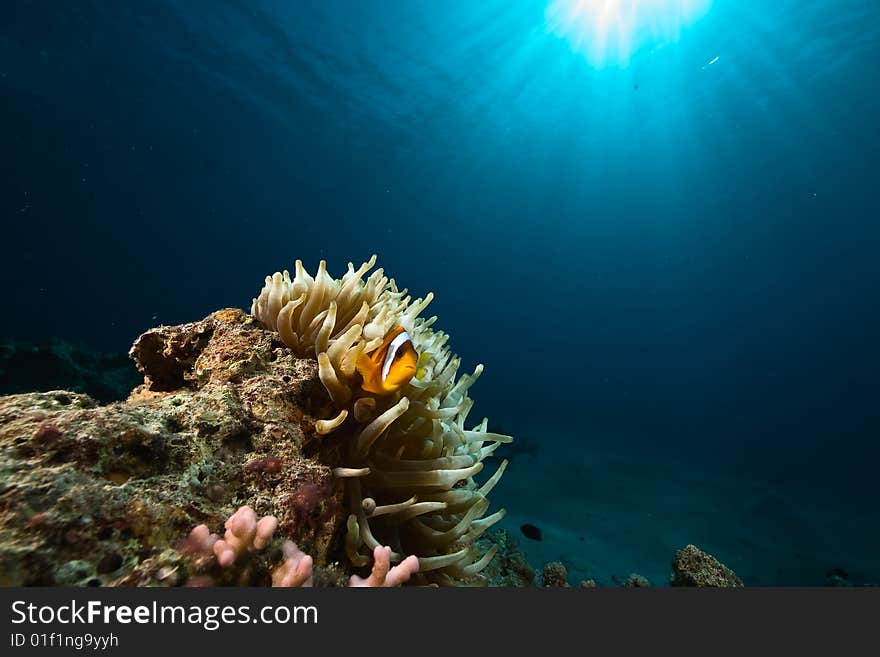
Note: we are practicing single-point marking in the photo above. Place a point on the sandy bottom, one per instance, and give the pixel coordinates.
(611, 512)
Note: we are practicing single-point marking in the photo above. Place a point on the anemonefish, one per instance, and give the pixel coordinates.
(391, 366)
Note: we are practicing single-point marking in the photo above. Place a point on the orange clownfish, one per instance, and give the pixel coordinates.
(391, 366)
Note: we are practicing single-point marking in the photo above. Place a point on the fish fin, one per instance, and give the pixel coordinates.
(367, 369)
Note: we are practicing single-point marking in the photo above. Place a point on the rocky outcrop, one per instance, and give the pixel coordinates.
(693, 567)
(509, 568)
(106, 494)
(554, 575)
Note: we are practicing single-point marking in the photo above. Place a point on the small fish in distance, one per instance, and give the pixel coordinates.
(530, 531)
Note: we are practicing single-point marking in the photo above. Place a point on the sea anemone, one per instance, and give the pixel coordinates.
(410, 462)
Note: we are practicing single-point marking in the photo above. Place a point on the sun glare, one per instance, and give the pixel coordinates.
(610, 32)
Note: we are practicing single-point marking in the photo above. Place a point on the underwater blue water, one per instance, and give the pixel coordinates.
(669, 253)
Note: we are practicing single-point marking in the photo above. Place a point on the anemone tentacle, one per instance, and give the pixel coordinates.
(409, 449)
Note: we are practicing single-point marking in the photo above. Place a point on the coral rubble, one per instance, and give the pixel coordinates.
(693, 567)
(554, 575)
(636, 581)
(509, 568)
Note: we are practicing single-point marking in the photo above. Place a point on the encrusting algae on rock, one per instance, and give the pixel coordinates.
(270, 413)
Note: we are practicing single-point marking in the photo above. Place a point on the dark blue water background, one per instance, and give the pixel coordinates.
(666, 254)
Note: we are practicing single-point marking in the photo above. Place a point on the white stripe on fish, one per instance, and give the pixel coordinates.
(399, 340)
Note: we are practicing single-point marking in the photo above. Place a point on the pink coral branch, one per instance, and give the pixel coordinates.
(201, 539)
(243, 533)
(383, 575)
(296, 569)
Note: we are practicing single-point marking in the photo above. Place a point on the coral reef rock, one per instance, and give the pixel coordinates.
(95, 494)
(554, 575)
(636, 581)
(693, 567)
(509, 567)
